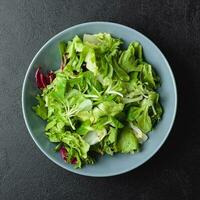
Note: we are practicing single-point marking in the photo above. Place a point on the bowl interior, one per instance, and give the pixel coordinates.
(49, 58)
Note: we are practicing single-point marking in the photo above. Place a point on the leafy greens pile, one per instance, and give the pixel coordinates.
(103, 99)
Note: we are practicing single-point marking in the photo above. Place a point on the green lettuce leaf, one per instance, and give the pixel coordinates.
(95, 135)
(40, 109)
(90, 60)
(102, 43)
(148, 109)
(127, 141)
(109, 108)
(110, 141)
(131, 58)
(122, 75)
(147, 75)
(75, 141)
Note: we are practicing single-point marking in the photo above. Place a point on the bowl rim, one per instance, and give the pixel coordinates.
(169, 127)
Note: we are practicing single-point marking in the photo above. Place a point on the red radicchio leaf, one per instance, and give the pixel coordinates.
(73, 161)
(42, 80)
(63, 153)
(38, 78)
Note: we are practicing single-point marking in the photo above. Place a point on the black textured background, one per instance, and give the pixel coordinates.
(173, 173)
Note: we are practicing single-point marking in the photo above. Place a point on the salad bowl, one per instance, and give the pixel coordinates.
(49, 58)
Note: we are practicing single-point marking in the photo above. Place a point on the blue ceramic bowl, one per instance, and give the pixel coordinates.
(48, 57)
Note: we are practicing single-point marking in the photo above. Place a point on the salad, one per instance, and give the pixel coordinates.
(102, 100)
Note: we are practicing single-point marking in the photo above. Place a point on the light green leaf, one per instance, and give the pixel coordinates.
(90, 60)
(110, 141)
(40, 109)
(127, 141)
(94, 136)
(75, 141)
(131, 58)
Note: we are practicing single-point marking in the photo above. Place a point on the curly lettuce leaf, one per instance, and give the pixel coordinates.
(102, 43)
(75, 141)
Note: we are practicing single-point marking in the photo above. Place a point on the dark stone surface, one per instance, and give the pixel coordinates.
(173, 173)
